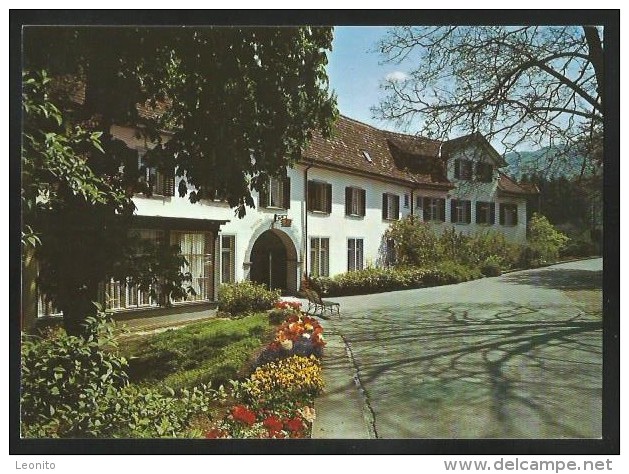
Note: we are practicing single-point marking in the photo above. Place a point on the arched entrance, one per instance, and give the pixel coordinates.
(273, 258)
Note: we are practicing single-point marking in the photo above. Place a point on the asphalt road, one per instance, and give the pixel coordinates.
(516, 356)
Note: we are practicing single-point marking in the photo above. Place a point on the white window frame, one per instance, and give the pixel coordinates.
(355, 255)
(319, 256)
(320, 198)
(232, 258)
(391, 198)
(356, 207)
(275, 195)
(433, 207)
(510, 209)
(203, 293)
(461, 211)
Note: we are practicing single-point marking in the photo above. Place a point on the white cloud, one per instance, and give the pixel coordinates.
(397, 76)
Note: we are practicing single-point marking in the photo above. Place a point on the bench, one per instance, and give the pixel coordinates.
(320, 307)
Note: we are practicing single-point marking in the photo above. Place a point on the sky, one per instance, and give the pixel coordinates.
(355, 73)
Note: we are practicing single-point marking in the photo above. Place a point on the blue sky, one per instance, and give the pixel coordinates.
(355, 74)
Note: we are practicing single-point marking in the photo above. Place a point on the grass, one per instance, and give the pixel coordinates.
(206, 352)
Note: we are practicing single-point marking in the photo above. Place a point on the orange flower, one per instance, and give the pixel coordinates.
(244, 415)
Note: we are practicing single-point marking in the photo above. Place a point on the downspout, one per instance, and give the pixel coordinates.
(305, 223)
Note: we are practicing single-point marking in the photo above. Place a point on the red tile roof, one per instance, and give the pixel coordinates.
(391, 153)
(509, 186)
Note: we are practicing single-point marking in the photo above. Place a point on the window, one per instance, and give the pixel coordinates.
(319, 256)
(484, 172)
(485, 213)
(508, 214)
(366, 155)
(354, 254)
(276, 194)
(355, 202)
(434, 209)
(390, 206)
(195, 247)
(319, 197)
(158, 182)
(228, 258)
(460, 211)
(407, 201)
(124, 295)
(463, 169)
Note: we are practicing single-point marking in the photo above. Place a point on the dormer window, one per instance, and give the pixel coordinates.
(463, 169)
(484, 172)
(366, 156)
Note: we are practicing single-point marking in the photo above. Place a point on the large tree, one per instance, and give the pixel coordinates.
(239, 104)
(533, 85)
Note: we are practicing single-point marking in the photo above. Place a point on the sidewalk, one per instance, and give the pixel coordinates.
(340, 409)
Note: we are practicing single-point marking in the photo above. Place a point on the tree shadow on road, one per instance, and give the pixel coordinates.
(558, 279)
(503, 360)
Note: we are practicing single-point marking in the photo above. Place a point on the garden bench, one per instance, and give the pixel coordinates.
(320, 306)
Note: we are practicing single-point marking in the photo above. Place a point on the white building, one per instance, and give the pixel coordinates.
(329, 214)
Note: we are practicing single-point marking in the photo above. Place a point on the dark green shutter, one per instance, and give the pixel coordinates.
(457, 168)
(441, 209)
(396, 210)
(169, 183)
(384, 206)
(426, 209)
(453, 213)
(264, 195)
(502, 214)
(515, 214)
(363, 202)
(479, 212)
(311, 195)
(286, 190)
(492, 213)
(328, 198)
(468, 211)
(348, 201)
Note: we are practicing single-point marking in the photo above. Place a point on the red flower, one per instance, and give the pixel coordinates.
(215, 433)
(294, 424)
(243, 414)
(273, 424)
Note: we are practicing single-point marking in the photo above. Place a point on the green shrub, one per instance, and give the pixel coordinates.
(245, 297)
(78, 387)
(377, 280)
(65, 380)
(416, 243)
(580, 248)
(491, 267)
(544, 242)
(491, 245)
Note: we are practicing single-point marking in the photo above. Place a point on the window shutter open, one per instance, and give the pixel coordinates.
(502, 214)
(384, 206)
(263, 196)
(396, 208)
(479, 213)
(311, 195)
(348, 201)
(457, 168)
(328, 198)
(286, 190)
(515, 214)
(492, 213)
(426, 209)
(363, 202)
(468, 211)
(453, 213)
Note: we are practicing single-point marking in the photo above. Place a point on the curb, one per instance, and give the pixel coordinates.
(340, 410)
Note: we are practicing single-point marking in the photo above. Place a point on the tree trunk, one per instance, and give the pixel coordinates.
(597, 56)
(75, 312)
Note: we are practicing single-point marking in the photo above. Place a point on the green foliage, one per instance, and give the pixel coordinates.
(490, 245)
(376, 280)
(544, 242)
(491, 267)
(78, 387)
(207, 352)
(65, 380)
(246, 297)
(415, 242)
(269, 82)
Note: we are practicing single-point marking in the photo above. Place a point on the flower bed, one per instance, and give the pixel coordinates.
(276, 400)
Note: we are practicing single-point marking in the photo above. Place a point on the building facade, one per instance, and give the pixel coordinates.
(329, 214)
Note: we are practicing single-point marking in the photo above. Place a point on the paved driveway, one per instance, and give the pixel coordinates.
(517, 356)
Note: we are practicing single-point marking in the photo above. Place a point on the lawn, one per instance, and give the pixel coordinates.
(206, 352)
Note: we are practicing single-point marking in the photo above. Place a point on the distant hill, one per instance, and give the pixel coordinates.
(548, 161)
